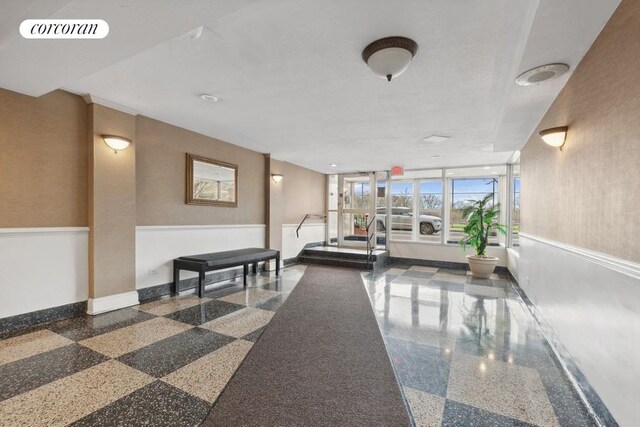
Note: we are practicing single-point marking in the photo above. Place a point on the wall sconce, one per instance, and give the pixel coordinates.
(276, 177)
(555, 137)
(116, 143)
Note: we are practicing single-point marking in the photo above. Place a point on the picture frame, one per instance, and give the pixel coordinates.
(211, 182)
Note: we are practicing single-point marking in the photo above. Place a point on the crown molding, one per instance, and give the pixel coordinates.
(92, 99)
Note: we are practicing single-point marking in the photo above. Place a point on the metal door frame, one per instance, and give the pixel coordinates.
(371, 212)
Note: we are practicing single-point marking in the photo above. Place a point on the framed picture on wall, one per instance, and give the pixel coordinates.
(211, 182)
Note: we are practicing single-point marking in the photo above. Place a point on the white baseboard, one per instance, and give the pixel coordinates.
(112, 302)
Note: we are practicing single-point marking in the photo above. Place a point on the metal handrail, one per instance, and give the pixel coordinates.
(370, 247)
(307, 216)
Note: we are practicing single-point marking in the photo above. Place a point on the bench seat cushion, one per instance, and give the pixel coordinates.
(238, 256)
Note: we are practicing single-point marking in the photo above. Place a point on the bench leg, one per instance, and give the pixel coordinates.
(200, 284)
(255, 268)
(278, 265)
(176, 281)
(245, 271)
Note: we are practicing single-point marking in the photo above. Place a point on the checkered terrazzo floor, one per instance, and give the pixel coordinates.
(160, 363)
(465, 352)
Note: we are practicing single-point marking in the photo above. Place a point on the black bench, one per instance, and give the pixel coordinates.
(219, 260)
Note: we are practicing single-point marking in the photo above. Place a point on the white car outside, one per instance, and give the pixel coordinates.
(402, 219)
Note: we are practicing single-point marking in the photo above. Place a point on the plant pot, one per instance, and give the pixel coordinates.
(482, 266)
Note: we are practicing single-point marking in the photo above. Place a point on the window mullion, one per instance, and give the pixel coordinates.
(416, 211)
(446, 206)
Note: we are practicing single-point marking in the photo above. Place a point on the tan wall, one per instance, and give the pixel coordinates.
(304, 192)
(56, 170)
(588, 194)
(43, 160)
(276, 204)
(300, 192)
(112, 204)
(161, 183)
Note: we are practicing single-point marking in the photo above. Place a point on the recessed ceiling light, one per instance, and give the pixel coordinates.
(495, 173)
(435, 138)
(208, 97)
(435, 157)
(333, 165)
(541, 74)
(487, 167)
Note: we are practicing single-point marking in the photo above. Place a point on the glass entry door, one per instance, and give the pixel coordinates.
(356, 208)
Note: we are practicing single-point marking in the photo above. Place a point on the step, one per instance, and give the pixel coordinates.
(337, 262)
(342, 255)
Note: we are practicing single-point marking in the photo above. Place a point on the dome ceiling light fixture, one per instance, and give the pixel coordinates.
(541, 74)
(389, 57)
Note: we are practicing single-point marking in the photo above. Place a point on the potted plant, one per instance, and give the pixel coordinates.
(481, 221)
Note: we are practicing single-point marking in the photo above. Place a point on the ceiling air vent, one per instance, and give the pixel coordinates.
(541, 74)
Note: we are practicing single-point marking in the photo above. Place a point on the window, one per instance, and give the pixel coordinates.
(421, 200)
(356, 192)
(381, 205)
(515, 207)
(430, 205)
(332, 208)
(471, 187)
(401, 210)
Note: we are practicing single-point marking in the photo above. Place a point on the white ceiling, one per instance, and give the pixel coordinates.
(291, 81)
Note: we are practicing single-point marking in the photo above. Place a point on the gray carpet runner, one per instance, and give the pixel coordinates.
(320, 362)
